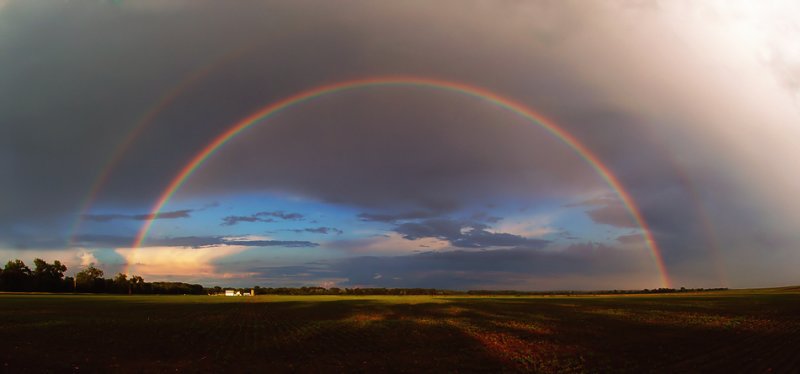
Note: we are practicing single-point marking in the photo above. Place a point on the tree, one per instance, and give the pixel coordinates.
(16, 276)
(121, 283)
(90, 279)
(136, 284)
(48, 277)
(69, 284)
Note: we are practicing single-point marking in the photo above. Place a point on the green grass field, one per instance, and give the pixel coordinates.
(729, 331)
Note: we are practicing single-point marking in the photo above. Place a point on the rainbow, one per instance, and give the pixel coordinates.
(412, 81)
(143, 124)
(707, 226)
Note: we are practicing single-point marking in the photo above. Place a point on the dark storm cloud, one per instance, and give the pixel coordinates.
(187, 241)
(368, 150)
(361, 157)
(138, 217)
(72, 91)
(262, 217)
(465, 234)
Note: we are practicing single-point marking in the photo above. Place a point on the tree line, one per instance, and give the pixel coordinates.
(351, 291)
(442, 292)
(578, 293)
(45, 277)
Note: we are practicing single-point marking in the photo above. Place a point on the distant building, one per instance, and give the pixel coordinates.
(238, 293)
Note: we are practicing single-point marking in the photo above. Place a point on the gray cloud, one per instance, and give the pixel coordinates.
(261, 217)
(232, 220)
(465, 234)
(138, 217)
(319, 230)
(282, 215)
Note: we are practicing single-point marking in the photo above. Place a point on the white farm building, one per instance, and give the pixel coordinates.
(237, 293)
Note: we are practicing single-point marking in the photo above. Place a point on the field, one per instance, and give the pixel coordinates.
(727, 331)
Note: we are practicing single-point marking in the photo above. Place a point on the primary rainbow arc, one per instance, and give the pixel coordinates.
(411, 81)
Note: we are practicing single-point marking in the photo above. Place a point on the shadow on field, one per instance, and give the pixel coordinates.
(558, 334)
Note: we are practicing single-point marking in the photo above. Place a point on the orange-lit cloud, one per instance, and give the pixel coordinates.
(177, 261)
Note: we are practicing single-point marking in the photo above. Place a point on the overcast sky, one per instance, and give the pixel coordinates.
(693, 105)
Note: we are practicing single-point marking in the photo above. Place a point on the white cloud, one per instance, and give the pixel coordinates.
(88, 258)
(528, 227)
(245, 238)
(390, 243)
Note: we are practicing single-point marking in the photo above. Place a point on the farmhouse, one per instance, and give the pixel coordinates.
(238, 293)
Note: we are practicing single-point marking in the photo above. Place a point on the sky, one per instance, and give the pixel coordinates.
(587, 144)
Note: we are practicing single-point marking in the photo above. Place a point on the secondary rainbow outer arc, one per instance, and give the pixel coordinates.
(143, 124)
(711, 238)
(464, 89)
(101, 180)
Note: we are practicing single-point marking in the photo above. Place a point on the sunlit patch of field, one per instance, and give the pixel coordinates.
(677, 319)
(749, 330)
